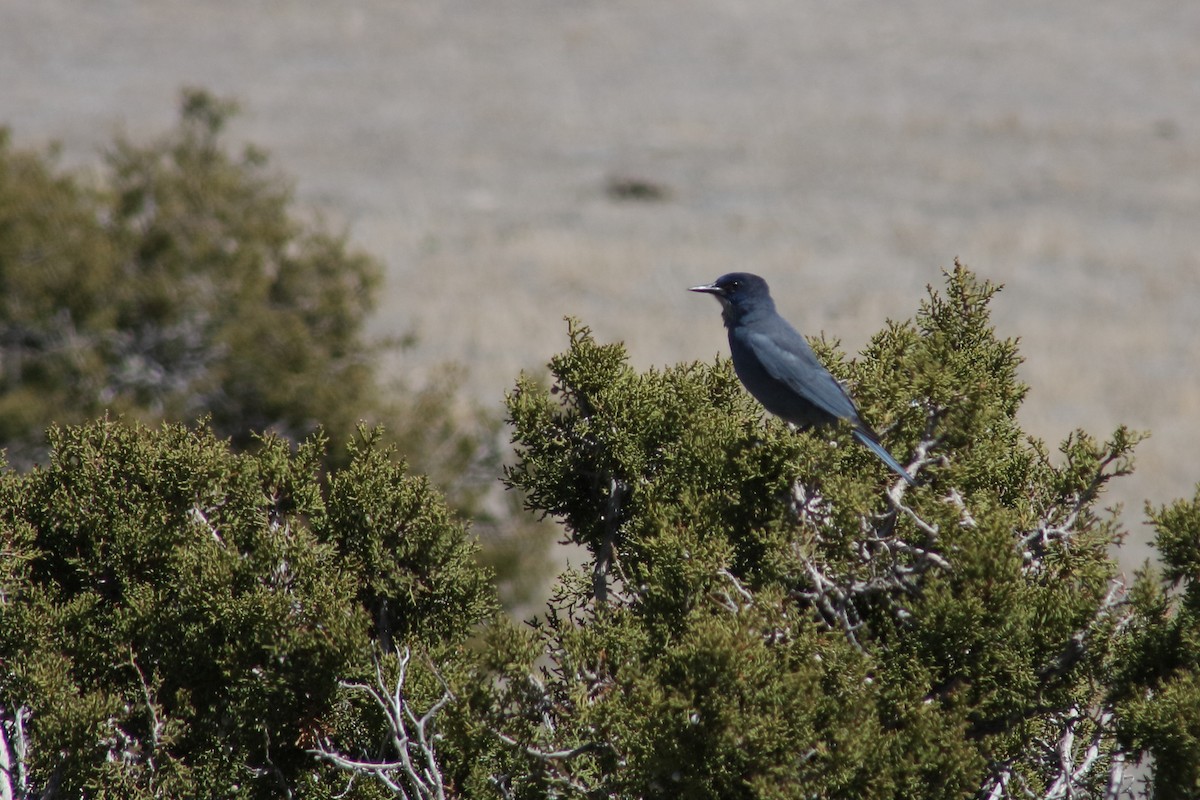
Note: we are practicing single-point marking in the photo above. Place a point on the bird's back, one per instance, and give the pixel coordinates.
(778, 367)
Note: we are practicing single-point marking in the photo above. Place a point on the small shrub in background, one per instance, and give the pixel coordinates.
(183, 284)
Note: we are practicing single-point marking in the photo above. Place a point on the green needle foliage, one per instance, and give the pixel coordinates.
(183, 286)
(769, 613)
(175, 617)
(1158, 682)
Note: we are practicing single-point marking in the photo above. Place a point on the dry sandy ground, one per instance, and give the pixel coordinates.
(846, 150)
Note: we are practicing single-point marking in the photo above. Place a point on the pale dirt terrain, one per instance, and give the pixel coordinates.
(847, 151)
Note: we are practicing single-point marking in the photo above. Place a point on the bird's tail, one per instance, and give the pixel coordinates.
(865, 436)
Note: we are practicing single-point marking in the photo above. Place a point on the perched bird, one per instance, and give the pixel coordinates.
(777, 366)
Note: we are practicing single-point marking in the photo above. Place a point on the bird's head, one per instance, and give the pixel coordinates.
(739, 293)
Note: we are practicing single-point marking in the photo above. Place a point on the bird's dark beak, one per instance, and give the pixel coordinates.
(709, 289)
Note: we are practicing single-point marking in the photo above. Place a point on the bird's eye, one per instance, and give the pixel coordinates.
(733, 286)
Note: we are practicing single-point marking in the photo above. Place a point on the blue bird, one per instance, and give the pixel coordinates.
(779, 369)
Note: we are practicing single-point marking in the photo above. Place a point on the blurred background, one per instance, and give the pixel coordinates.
(514, 162)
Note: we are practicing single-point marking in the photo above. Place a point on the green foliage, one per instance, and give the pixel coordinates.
(183, 286)
(762, 616)
(1158, 683)
(413, 568)
(176, 616)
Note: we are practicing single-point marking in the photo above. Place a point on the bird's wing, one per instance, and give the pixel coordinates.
(788, 359)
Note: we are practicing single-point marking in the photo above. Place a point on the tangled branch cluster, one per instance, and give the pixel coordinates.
(412, 771)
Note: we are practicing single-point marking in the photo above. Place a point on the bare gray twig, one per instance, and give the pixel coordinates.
(413, 772)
